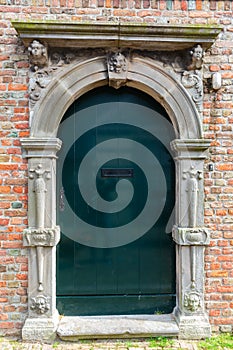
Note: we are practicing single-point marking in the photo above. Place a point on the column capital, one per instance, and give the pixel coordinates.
(41, 147)
(191, 148)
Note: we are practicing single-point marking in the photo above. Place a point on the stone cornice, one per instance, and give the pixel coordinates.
(108, 35)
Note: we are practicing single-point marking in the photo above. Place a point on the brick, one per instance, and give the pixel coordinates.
(220, 273)
(214, 313)
(226, 166)
(4, 222)
(17, 87)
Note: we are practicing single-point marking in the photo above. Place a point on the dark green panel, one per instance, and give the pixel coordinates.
(137, 277)
(116, 305)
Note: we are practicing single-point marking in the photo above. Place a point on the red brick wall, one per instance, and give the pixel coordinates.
(217, 124)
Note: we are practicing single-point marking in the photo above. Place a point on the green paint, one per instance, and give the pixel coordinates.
(114, 280)
(13, 134)
(16, 205)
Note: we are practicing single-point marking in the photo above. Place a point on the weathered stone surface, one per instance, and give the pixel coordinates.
(73, 328)
(37, 329)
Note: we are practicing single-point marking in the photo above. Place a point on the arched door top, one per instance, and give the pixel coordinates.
(143, 74)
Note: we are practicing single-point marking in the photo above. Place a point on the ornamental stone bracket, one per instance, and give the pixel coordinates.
(197, 236)
(42, 237)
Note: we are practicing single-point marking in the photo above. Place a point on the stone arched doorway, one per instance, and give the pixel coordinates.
(60, 79)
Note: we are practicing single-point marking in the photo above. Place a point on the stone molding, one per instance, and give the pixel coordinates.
(114, 35)
(144, 74)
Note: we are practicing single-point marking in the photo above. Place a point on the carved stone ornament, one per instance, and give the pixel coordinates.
(192, 176)
(192, 300)
(38, 81)
(39, 238)
(191, 236)
(193, 83)
(197, 54)
(39, 188)
(38, 55)
(46, 237)
(40, 304)
(192, 79)
(117, 69)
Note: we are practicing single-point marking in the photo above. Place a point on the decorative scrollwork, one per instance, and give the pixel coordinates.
(194, 84)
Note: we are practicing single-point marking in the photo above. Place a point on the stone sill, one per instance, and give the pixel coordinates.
(109, 35)
(72, 328)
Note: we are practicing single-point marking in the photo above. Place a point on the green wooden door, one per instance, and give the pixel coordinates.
(115, 195)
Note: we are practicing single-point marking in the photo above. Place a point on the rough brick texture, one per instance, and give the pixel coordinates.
(217, 124)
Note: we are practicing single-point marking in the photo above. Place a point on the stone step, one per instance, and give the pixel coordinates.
(72, 328)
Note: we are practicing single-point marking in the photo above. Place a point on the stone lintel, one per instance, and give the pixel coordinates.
(198, 236)
(110, 34)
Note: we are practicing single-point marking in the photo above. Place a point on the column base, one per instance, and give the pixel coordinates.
(40, 329)
(193, 327)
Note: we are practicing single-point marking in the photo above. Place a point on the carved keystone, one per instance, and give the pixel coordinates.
(117, 69)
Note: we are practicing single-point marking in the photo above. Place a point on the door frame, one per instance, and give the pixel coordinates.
(189, 148)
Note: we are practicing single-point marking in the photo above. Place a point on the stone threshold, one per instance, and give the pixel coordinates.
(73, 328)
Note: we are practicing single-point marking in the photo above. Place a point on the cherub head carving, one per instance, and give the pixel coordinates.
(38, 54)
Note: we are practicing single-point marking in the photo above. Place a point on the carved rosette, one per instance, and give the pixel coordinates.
(117, 69)
(197, 236)
(40, 304)
(46, 237)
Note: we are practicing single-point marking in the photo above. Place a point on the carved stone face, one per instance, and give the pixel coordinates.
(118, 63)
(41, 305)
(198, 53)
(36, 48)
(193, 302)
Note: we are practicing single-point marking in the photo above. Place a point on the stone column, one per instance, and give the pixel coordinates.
(191, 237)
(41, 238)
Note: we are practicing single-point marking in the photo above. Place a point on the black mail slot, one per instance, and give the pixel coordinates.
(117, 172)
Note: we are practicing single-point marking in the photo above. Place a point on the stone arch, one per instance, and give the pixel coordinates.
(143, 74)
(188, 233)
